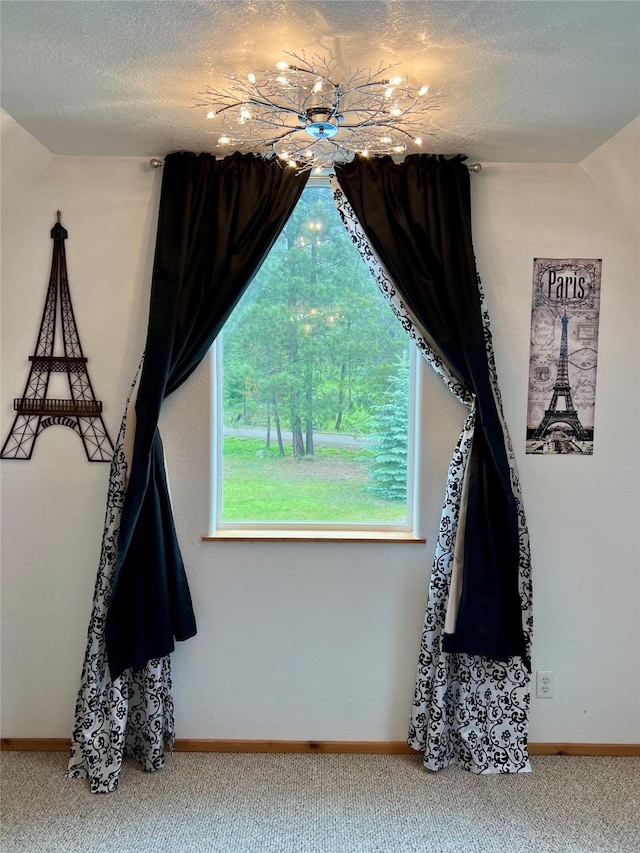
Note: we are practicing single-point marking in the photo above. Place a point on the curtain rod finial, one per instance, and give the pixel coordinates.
(475, 167)
(155, 163)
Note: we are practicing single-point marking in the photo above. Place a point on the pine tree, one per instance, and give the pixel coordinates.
(388, 467)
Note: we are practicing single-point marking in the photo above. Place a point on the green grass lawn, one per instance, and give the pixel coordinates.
(328, 487)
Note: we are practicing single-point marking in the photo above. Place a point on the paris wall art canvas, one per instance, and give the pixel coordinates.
(564, 355)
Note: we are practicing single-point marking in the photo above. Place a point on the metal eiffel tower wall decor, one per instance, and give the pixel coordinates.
(564, 355)
(36, 409)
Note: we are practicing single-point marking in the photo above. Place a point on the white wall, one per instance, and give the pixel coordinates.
(317, 640)
(583, 511)
(615, 168)
(53, 505)
(22, 156)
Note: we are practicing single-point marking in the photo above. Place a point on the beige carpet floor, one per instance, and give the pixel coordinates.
(247, 803)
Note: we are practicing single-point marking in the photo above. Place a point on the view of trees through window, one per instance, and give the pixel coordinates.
(315, 385)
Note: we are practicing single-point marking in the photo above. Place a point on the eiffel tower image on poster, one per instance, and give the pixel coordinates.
(35, 410)
(566, 417)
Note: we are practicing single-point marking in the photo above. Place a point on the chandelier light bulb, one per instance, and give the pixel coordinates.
(319, 116)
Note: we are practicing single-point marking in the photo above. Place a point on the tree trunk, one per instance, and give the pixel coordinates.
(309, 450)
(294, 359)
(296, 430)
(276, 417)
(268, 441)
(343, 373)
(245, 394)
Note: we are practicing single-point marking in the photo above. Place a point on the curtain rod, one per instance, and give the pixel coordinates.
(157, 164)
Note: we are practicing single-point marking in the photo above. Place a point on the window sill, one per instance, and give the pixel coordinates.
(315, 536)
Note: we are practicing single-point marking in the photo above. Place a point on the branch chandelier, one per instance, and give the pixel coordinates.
(299, 114)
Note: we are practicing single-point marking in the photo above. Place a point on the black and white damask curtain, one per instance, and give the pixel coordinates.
(132, 714)
(412, 226)
(217, 222)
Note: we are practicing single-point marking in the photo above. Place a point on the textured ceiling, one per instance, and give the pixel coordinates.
(523, 81)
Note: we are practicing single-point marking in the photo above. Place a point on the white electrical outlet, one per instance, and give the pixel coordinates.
(544, 684)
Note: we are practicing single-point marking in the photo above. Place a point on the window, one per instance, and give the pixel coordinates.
(314, 420)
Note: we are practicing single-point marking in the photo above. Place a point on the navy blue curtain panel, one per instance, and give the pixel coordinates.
(218, 219)
(417, 217)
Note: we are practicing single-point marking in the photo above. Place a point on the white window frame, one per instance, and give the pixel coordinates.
(409, 531)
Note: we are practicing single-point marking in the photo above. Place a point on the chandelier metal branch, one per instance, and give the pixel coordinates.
(299, 113)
